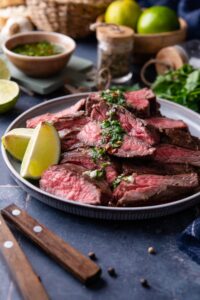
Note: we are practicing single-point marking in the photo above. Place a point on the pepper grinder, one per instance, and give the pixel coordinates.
(115, 50)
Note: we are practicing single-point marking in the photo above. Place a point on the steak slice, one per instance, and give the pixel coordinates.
(163, 123)
(32, 123)
(181, 138)
(137, 127)
(150, 167)
(77, 120)
(142, 102)
(133, 126)
(174, 132)
(150, 189)
(70, 141)
(68, 182)
(83, 158)
(171, 154)
(91, 100)
(131, 146)
(99, 111)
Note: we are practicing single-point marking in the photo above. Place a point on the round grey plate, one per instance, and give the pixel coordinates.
(168, 109)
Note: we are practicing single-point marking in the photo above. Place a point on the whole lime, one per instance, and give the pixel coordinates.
(157, 19)
(123, 12)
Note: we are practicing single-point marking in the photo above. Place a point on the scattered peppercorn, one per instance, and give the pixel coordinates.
(92, 255)
(144, 283)
(112, 272)
(151, 250)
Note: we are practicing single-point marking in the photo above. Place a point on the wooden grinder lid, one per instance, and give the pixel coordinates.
(113, 33)
(175, 57)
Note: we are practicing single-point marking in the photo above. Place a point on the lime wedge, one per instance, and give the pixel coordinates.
(4, 71)
(9, 93)
(16, 141)
(43, 151)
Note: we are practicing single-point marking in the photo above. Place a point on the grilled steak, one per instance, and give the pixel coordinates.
(149, 167)
(142, 102)
(32, 123)
(70, 141)
(68, 182)
(83, 158)
(163, 123)
(133, 126)
(171, 154)
(78, 120)
(174, 132)
(91, 135)
(137, 127)
(181, 138)
(150, 189)
(91, 100)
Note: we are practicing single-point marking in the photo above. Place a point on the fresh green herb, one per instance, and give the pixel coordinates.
(37, 49)
(95, 174)
(97, 153)
(181, 86)
(112, 130)
(120, 178)
(114, 97)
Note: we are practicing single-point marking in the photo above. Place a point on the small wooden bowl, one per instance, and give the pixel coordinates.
(41, 66)
(147, 45)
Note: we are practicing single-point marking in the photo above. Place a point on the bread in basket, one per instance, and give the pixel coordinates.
(7, 3)
(71, 17)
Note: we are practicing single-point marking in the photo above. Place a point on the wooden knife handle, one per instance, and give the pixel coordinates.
(27, 281)
(68, 257)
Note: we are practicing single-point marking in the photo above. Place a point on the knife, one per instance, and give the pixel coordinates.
(28, 282)
(69, 258)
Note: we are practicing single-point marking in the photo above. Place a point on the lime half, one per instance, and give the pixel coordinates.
(43, 151)
(9, 93)
(16, 141)
(4, 71)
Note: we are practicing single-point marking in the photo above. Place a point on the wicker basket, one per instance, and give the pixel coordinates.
(71, 17)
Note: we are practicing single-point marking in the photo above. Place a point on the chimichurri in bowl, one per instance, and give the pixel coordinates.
(43, 48)
(39, 54)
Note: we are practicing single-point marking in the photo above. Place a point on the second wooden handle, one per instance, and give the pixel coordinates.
(27, 281)
(68, 257)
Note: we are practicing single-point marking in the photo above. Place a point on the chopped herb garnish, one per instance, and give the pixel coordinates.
(114, 97)
(112, 130)
(120, 178)
(97, 153)
(95, 174)
(98, 173)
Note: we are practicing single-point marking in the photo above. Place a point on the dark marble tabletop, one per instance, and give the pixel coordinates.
(122, 245)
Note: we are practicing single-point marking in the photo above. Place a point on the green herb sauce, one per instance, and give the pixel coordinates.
(38, 49)
(98, 153)
(112, 130)
(120, 178)
(114, 97)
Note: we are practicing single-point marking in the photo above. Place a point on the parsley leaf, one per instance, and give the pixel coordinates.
(181, 86)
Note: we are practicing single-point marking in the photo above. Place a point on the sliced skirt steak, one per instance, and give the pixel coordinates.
(32, 123)
(151, 189)
(68, 182)
(171, 154)
(131, 146)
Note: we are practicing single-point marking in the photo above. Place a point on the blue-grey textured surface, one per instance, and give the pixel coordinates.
(171, 274)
